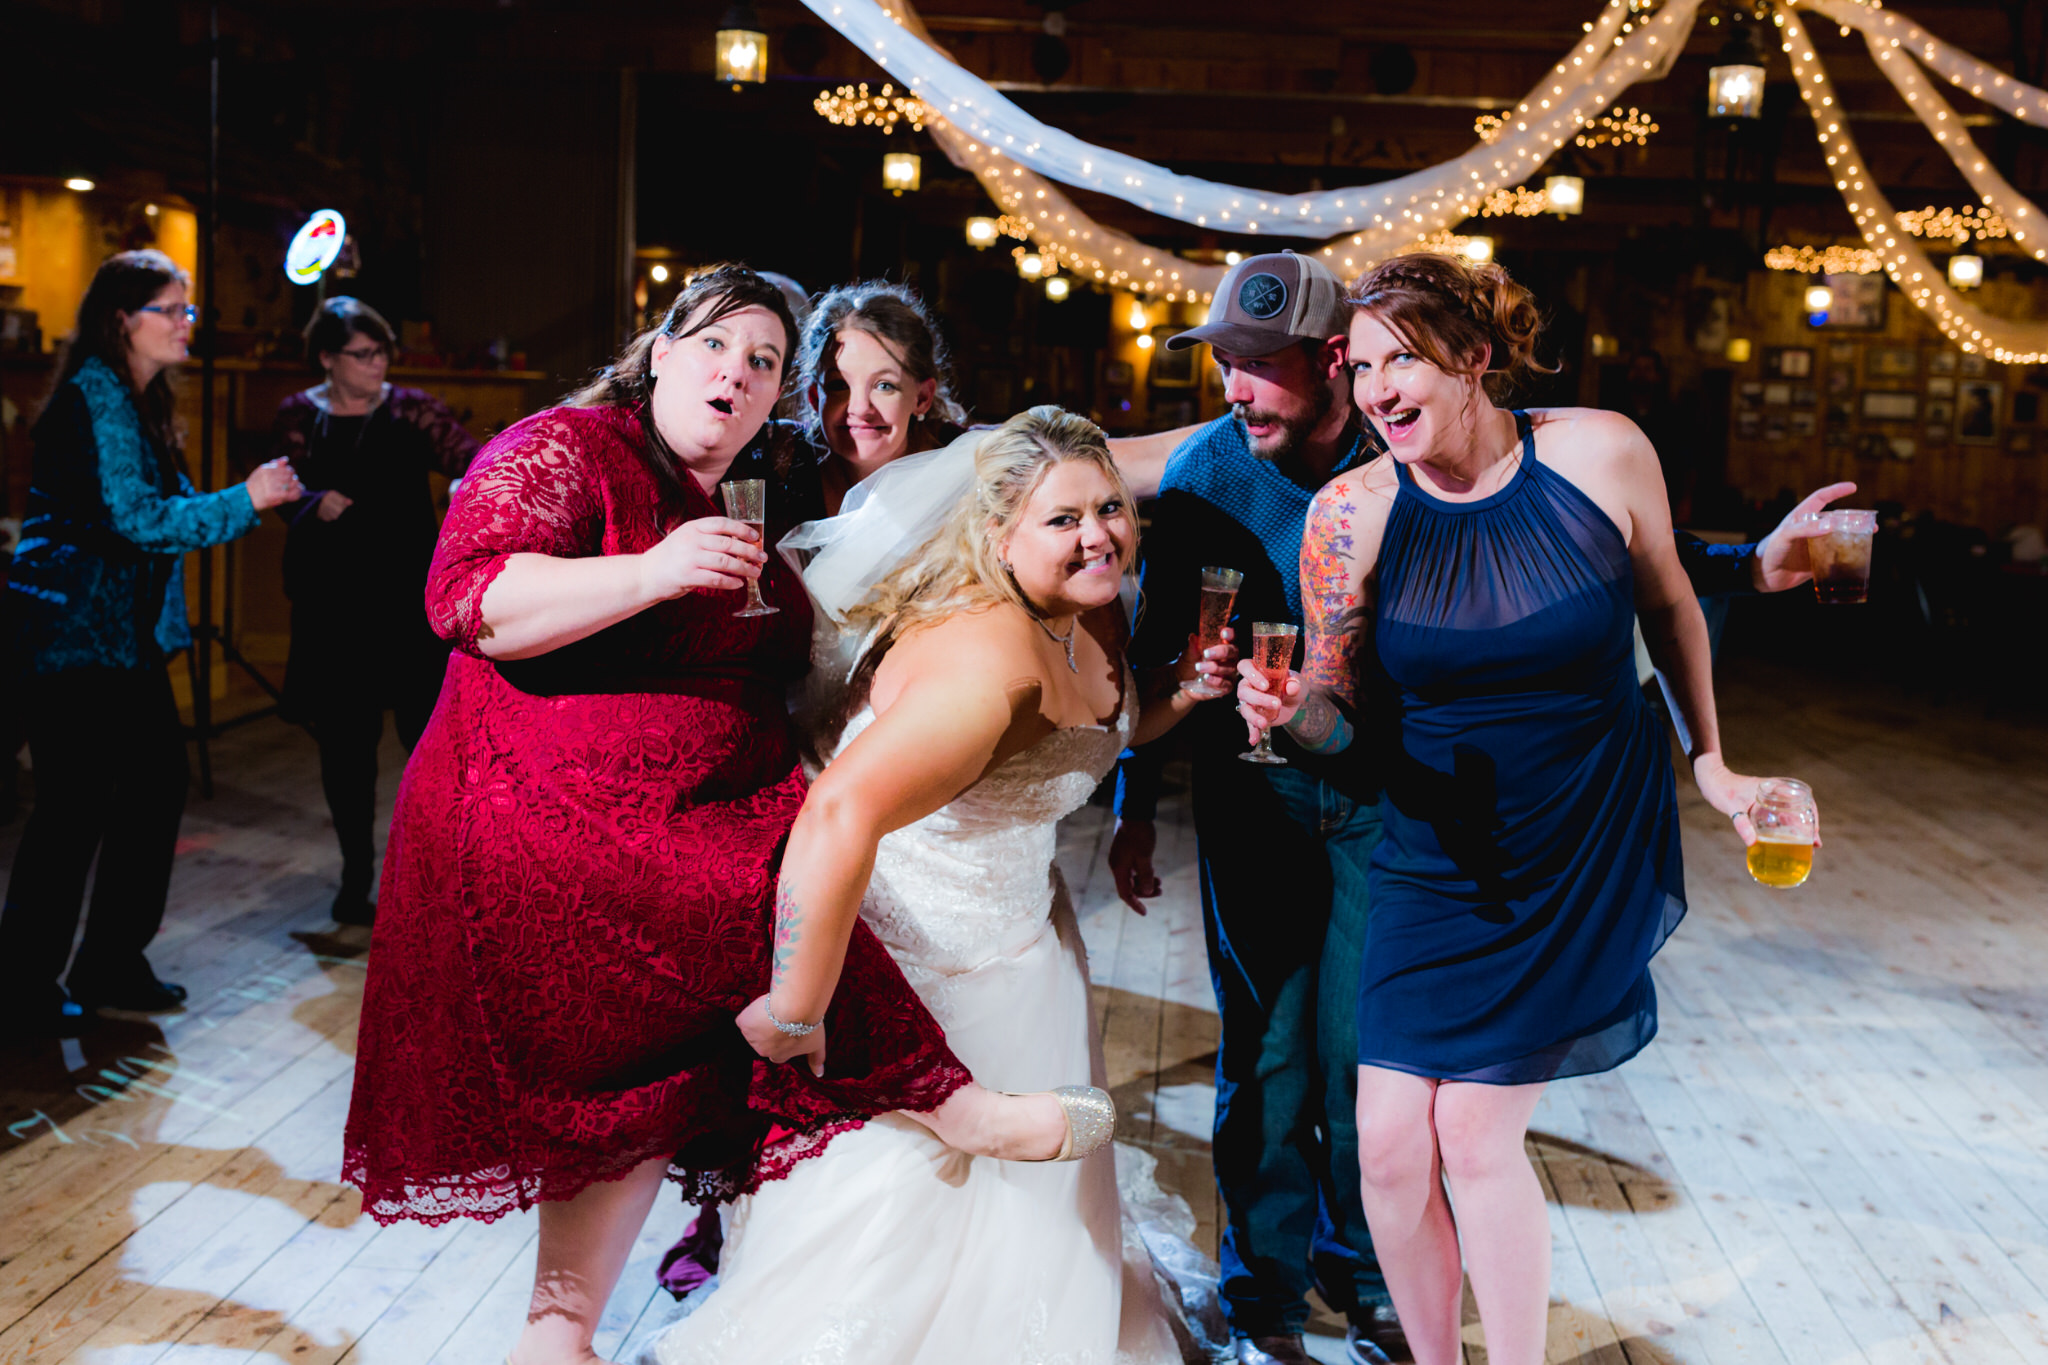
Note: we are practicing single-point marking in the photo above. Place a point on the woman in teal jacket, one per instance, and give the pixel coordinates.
(98, 605)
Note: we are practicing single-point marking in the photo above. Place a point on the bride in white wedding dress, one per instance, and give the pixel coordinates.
(991, 696)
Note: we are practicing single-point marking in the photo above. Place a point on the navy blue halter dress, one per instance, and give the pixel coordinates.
(1530, 865)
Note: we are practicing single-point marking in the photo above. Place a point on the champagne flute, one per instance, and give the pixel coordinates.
(747, 500)
(1273, 656)
(1219, 594)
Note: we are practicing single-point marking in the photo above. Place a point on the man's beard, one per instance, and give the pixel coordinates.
(1292, 432)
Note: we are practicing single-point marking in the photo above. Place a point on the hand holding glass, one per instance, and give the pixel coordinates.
(1273, 657)
(1840, 556)
(1787, 828)
(747, 500)
(1219, 595)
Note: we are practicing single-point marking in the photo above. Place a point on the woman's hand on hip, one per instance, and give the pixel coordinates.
(713, 554)
(1262, 708)
(775, 1045)
(274, 483)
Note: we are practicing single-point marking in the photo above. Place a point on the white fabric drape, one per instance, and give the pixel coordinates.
(1016, 157)
(1918, 277)
(1587, 79)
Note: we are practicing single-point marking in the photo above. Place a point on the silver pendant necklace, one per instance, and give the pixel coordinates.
(1067, 639)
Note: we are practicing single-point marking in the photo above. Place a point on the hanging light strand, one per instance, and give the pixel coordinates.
(1958, 225)
(1908, 266)
(1827, 260)
(851, 106)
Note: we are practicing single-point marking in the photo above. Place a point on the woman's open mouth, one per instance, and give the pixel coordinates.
(1106, 562)
(1400, 422)
(723, 405)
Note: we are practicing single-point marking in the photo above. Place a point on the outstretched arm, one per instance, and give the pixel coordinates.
(937, 736)
(1142, 459)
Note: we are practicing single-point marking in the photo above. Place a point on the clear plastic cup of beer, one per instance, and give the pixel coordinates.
(1840, 556)
(1787, 827)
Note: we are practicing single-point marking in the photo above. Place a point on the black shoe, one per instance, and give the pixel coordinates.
(67, 1020)
(352, 906)
(146, 997)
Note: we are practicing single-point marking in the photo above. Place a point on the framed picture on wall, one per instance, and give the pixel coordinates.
(1804, 424)
(1891, 362)
(1841, 353)
(1858, 304)
(1890, 405)
(1974, 365)
(1978, 402)
(1941, 415)
(1749, 395)
(1841, 379)
(1788, 362)
(1777, 395)
(1749, 424)
(2026, 408)
(2019, 443)
(1171, 369)
(1941, 386)
(1943, 362)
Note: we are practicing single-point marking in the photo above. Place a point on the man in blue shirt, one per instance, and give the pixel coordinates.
(1283, 850)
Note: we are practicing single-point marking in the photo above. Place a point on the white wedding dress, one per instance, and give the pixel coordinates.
(890, 1248)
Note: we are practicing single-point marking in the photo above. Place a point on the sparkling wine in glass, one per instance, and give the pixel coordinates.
(747, 500)
(1273, 656)
(1219, 595)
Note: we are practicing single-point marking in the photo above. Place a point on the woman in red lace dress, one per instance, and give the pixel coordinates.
(575, 900)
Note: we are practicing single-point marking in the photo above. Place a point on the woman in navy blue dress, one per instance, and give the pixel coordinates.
(1470, 601)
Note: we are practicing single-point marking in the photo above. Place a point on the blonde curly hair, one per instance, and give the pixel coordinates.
(960, 569)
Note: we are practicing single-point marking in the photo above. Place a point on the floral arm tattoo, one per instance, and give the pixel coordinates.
(789, 928)
(1337, 616)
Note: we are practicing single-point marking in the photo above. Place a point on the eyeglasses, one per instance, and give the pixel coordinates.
(365, 355)
(176, 312)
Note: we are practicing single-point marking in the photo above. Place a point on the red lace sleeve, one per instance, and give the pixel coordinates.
(530, 491)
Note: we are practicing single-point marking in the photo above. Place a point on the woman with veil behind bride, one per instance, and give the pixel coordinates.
(987, 697)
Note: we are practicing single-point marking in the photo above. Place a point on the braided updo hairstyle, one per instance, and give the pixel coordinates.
(1448, 309)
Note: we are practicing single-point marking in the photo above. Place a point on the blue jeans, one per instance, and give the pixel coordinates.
(1283, 862)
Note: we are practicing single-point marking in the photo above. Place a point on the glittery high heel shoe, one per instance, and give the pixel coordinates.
(1091, 1120)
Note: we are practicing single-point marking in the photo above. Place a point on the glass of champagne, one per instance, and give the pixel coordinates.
(1273, 656)
(747, 500)
(1219, 595)
(1786, 826)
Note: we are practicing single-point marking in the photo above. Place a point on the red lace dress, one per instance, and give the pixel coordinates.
(576, 897)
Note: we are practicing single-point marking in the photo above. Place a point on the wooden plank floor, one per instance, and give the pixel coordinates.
(1836, 1151)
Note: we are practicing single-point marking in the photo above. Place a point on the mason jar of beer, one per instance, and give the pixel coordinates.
(1786, 826)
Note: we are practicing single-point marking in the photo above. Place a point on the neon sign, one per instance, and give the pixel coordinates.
(315, 247)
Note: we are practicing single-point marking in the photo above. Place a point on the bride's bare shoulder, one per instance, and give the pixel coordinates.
(978, 649)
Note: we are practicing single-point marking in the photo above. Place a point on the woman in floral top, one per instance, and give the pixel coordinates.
(98, 599)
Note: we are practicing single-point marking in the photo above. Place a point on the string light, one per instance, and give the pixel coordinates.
(1829, 260)
(851, 106)
(1904, 261)
(1958, 225)
(1518, 202)
(1618, 130)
